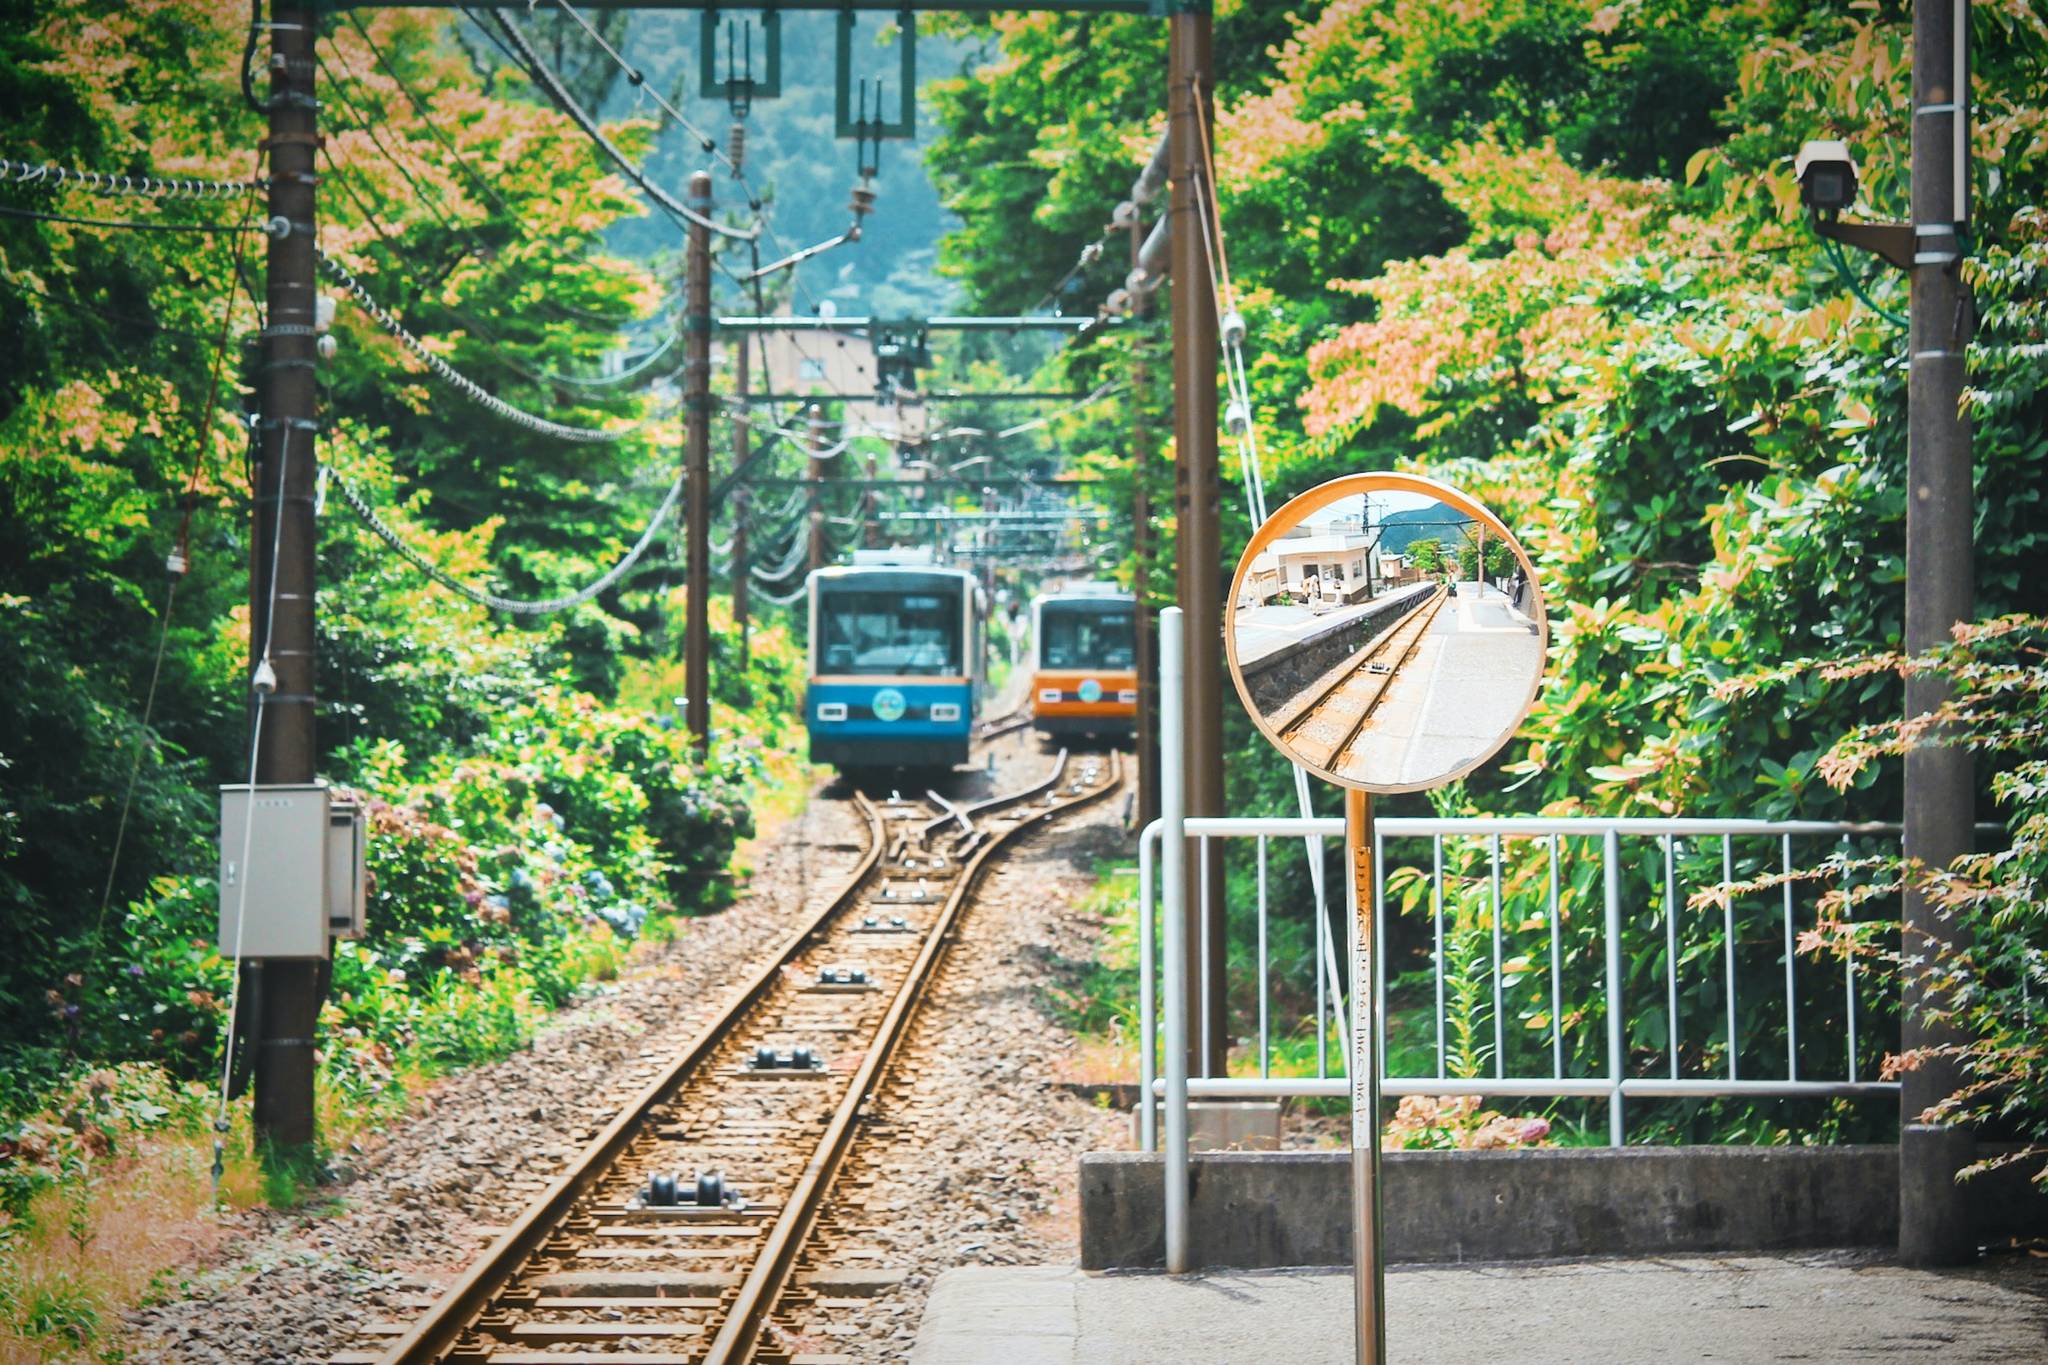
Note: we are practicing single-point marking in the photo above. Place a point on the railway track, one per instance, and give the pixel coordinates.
(682, 1227)
(1332, 712)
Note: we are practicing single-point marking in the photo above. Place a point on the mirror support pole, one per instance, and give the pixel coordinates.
(1367, 1224)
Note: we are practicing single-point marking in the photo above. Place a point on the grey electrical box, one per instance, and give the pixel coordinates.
(291, 870)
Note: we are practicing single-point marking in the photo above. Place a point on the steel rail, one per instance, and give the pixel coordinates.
(771, 1270)
(437, 1332)
(1349, 673)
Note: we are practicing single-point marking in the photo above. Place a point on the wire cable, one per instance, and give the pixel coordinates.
(559, 93)
(511, 605)
(101, 182)
(467, 387)
(128, 224)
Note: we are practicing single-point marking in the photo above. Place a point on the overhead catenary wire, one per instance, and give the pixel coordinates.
(566, 102)
(132, 224)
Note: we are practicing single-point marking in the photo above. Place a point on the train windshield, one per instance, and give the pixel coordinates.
(889, 632)
(1087, 635)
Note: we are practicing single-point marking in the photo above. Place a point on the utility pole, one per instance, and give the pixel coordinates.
(817, 487)
(287, 991)
(1196, 507)
(1145, 655)
(742, 428)
(697, 464)
(1934, 1222)
(871, 526)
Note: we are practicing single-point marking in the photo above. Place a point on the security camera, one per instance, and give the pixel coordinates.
(1827, 175)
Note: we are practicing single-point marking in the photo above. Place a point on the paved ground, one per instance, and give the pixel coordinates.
(1261, 630)
(1462, 689)
(1828, 1308)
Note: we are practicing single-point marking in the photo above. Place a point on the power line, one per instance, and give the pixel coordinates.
(559, 93)
(103, 182)
(134, 225)
(461, 383)
(515, 606)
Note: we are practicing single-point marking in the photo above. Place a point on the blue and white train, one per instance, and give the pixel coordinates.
(897, 663)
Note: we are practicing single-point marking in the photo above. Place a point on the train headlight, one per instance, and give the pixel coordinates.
(831, 710)
(1128, 696)
(1049, 694)
(943, 711)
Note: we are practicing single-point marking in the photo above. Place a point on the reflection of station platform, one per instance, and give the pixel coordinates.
(1264, 630)
(1830, 1308)
(1464, 685)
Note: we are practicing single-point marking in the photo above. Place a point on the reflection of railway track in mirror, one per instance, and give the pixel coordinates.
(681, 1227)
(1342, 701)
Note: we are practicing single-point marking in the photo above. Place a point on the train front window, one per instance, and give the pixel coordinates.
(889, 632)
(1088, 637)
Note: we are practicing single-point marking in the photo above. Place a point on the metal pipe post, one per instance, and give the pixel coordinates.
(871, 532)
(697, 418)
(817, 488)
(282, 577)
(1146, 657)
(1367, 1243)
(1610, 883)
(1197, 502)
(1934, 1227)
(1173, 878)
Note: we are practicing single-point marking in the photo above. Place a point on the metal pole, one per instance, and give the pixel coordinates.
(871, 532)
(817, 488)
(742, 429)
(1934, 1228)
(697, 417)
(1173, 878)
(1367, 1223)
(1610, 885)
(1197, 500)
(284, 541)
(1147, 652)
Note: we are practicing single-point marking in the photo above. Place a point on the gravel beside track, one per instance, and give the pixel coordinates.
(416, 1207)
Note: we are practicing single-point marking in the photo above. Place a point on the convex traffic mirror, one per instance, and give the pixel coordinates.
(1386, 632)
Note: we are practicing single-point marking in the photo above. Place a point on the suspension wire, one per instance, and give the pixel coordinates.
(449, 375)
(511, 605)
(559, 93)
(102, 182)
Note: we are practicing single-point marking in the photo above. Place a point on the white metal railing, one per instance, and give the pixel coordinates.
(1558, 841)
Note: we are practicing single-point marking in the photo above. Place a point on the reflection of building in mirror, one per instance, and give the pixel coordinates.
(1388, 639)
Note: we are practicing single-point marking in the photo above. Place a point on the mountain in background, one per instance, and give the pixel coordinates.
(1402, 529)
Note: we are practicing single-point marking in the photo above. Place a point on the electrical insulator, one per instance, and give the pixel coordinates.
(1125, 217)
(1237, 417)
(736, 146)
(174, 562)
(863, 201)
(1118, 302)
(326, 346)
(1233, 328)
(323, 312)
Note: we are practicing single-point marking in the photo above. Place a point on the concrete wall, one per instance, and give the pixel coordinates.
(1276, 678)
(1257, 1209)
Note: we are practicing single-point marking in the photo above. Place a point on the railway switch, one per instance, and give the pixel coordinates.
(842, 976)
(707, 1190)
(799, 1058)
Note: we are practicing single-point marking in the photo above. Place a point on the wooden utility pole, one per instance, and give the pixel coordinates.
(285, 993)
(1934, 1222)
(1198, 513)
(697, 464)
(816, 489)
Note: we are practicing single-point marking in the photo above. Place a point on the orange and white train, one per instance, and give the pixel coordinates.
(1085, 653)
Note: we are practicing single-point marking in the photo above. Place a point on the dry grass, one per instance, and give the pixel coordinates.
(87, 1249)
